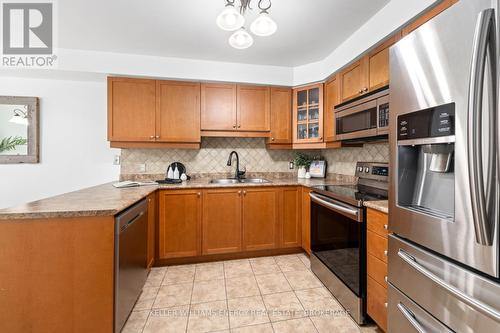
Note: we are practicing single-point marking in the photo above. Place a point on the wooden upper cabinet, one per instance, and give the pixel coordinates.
(281, 116)
(221, 221)
(353, 80)
(435, 10)
(378, 64)
(253, 105)
(291, 232)
(308, 114)
(131, 109)
(260, 219)
(180, 215)
(177, 111)
(331, 99)
(218, 107)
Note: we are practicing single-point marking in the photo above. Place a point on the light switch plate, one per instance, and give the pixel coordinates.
(116, 160)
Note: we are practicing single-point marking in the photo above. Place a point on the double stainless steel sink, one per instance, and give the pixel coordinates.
(239, 181)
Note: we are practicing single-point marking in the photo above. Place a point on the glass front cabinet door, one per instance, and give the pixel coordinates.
(308, 114)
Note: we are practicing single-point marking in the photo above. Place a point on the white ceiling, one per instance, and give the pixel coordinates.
(308, 30)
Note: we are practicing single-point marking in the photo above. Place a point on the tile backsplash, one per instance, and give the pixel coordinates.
(214, 152)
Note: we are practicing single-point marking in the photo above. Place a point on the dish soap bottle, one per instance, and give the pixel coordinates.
(176, 173)
(170, 173)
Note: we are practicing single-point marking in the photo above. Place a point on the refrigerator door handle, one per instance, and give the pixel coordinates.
(410, 317)
(477, 305)
(484, 46)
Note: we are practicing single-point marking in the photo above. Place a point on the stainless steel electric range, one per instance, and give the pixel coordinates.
(338, 235)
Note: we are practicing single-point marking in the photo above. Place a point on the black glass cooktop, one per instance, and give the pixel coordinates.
(354, 194)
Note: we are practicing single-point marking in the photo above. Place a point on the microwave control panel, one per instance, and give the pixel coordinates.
(383, 115)
(432, 122)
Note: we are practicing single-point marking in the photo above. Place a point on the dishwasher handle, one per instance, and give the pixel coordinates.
(130, 216)
(129, 223)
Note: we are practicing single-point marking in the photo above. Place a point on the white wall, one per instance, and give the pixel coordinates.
(387, 20)
(74, 151)
(390, 18)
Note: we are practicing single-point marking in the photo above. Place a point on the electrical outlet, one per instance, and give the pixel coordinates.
(142, 167)
(116, 160)
(291, 165)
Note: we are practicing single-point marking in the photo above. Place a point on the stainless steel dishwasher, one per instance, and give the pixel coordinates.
(130, 259)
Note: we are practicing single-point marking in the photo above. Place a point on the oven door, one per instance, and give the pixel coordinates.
(338, 240)
(356, 122)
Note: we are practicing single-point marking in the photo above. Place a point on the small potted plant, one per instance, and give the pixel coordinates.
(302, 162)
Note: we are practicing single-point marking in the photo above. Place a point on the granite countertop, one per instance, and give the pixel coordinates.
(106, 200)
(381, 205)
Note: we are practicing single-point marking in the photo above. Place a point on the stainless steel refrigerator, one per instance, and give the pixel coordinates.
(444, 192)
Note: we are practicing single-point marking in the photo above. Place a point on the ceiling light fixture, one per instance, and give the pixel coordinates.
(264, 25)
(241, 39)
(230, 20)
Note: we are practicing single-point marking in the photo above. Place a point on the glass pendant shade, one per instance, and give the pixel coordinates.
(263, 25)
(241, 39)
(230, 19)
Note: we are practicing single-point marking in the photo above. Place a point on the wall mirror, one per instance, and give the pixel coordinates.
(19, 129)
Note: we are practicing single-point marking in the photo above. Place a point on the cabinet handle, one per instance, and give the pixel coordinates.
(157, 136)
(234, 126)
(244, 192)
(272, 139)
(152, 137)
(239, 193)
(360, 91)
(385, 226)
(385, 278)
(385, 304)
(321, 138)
(198, 194)
(385, 253)
(239, 126)
(365, 89)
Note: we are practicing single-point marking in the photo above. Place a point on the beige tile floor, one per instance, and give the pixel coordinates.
(269, 294)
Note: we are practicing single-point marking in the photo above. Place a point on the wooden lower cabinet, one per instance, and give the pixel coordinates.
(291, 231)
(221, 221)
(179, 223)
(376, 304)
(306, 220)
(376, 249)
(151, 228)
(218, 221)
(260, 219)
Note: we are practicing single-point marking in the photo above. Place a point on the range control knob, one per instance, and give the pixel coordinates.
(360, 169)
(367, 169)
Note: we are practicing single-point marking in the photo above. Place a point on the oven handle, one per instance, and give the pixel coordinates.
(334, 205)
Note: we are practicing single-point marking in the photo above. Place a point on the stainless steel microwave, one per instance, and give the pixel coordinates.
(363, 118)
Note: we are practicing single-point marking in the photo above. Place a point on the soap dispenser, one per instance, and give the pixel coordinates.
(170, 173)
(176, 173)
